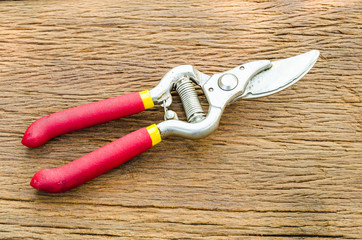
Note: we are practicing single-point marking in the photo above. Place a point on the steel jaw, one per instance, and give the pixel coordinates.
(250, 80)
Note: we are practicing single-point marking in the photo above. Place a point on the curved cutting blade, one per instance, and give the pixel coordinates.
(280, 75)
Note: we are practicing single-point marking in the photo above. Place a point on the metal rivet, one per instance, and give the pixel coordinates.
(242, 68)
(211, 89)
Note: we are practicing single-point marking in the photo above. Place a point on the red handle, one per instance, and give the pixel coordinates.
(84, 116)
(97, 162)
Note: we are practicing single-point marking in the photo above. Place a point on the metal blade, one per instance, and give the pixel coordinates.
(280, 75)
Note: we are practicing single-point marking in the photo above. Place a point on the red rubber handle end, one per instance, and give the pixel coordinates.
(36, 134)
(93, 164)
(48, 180)
(69, 120)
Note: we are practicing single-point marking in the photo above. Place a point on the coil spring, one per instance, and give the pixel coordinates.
(190, 100)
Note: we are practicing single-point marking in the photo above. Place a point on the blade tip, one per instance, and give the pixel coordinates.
(315, 53)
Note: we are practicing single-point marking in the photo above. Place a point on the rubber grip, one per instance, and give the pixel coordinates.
(93, 164)
(48, 127)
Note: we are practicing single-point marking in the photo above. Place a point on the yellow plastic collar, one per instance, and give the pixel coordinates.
(146, 99)
(154, 134)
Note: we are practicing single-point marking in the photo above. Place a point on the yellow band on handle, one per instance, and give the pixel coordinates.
(154, 134)
(146, 99)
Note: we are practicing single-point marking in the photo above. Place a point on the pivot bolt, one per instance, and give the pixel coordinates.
(228, 82)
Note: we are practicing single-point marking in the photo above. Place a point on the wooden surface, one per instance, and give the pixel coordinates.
(281, 167)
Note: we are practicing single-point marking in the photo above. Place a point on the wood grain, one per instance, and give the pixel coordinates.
(287, 166)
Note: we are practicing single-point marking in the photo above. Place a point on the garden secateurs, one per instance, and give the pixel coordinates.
(250, 80)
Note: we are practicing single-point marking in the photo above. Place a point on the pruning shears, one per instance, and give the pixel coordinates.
(249, 80)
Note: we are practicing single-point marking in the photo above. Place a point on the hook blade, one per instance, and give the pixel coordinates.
(280, 75)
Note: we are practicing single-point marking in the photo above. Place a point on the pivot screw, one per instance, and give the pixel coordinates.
(228, 82)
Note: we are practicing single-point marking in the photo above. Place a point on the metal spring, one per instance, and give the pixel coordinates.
(190, 100)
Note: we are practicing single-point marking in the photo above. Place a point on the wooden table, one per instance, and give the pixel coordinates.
(279, 167)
